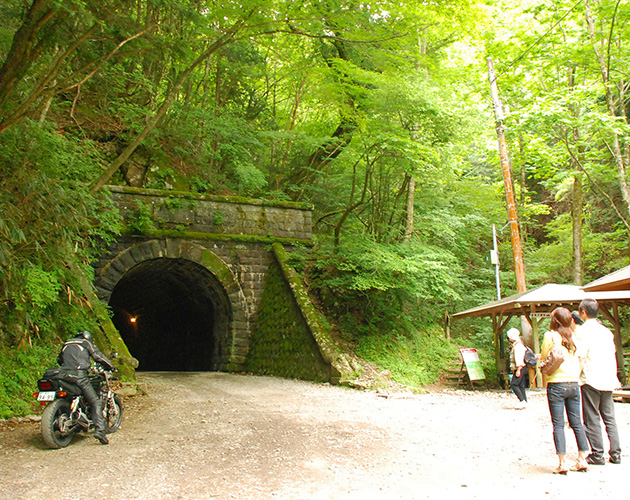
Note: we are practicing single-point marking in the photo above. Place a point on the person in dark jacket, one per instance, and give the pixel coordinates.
(75, 357)
(520, 375)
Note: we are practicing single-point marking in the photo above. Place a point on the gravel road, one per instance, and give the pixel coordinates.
(225, 436)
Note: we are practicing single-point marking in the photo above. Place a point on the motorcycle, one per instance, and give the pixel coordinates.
(67, 413)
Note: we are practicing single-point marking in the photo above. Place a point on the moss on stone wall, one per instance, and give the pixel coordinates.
(195, 235)
(208, 197)
(281, 344)
(341, 369)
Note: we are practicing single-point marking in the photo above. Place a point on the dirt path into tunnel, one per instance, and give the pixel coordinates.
(225, 436)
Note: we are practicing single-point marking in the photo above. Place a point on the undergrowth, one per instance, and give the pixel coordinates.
(19, 372)
(415, 359)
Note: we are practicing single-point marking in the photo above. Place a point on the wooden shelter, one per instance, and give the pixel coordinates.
(537, 305)
(619, 280)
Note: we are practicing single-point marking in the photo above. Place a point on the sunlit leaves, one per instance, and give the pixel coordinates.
(420, 271)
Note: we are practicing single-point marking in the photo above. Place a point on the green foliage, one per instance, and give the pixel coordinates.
(318, 102)
(250, 178)
(218, 218)
(422, 272)
(19, 371)
(172, 203)
(565, 123)
(416, 358)
(43, 242)
(370, 285)
(41, 288)
(551, 262)
(142, 219)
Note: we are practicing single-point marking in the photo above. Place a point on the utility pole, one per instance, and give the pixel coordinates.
(494, 258)
(519, 267)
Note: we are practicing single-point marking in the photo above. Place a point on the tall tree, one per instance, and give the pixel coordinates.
(607, 35)
(52, 50)
(567, 120)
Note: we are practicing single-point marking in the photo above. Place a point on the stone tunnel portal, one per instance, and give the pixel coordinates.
(172, 314)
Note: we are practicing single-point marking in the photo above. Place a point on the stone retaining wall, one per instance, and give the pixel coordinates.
(266, 330)
(215, 214)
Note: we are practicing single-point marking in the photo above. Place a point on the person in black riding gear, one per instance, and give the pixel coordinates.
(75, 357)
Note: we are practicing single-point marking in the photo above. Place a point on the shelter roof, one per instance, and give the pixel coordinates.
(618, 280)
(543, 300)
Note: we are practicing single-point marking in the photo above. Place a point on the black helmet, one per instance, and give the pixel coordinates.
(85, 334)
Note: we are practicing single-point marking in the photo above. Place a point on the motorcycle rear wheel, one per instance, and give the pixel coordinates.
(55, 414)
(112, 414)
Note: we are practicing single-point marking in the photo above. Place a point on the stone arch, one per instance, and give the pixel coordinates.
(189, 267)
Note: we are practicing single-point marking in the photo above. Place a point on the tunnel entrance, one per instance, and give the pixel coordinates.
(171, 314)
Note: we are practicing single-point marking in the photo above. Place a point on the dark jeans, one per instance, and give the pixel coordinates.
(595, 404)
(519, 384)
(560, 396)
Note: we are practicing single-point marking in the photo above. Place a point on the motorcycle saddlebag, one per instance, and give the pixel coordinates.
(60, 378)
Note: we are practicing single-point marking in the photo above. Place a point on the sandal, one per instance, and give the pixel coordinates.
(561, 470)
(580, 467)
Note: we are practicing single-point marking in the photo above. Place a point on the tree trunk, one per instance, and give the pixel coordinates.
(411, 194)
(342, 135)
(299, 93)
(218, 77)
(577, 198)
(26, 46)
(324, 154)
(517, 250)
(576, 212)
(351, 203)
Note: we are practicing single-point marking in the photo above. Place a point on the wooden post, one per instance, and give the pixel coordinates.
(497, 349)
(519, 267)
(536, 344)
(621, 369)
(447, 325)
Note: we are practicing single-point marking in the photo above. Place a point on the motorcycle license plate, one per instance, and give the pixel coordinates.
(46, 396)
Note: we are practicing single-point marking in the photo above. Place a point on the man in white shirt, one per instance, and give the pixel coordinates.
(598, 380)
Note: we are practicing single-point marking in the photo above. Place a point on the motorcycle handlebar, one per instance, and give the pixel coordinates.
(100, 368)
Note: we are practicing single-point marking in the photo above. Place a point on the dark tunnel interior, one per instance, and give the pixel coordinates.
(167, 313)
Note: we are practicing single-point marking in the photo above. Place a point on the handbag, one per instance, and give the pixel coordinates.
(555, 357)
(530, 358)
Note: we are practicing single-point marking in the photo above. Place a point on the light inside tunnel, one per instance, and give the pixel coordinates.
(168, 312)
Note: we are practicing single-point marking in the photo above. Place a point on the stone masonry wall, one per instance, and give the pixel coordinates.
(281, 342)
(216, 214)
(247, 264)
(233, 233)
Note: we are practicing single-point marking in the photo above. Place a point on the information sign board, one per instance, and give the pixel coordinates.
(473, 364)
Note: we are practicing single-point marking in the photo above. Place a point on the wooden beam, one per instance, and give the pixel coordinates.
(497, 350)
